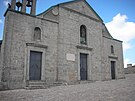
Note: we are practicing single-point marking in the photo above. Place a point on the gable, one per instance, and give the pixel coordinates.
(51, 14)
(83, 7)
(105, 32)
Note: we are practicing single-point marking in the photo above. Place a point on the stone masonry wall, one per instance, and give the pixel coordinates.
(107, 57)
(129, 70)
(15, 56)
(82, 7)
(60, 37)
(69, 33)
(6, 47)
(0, 64)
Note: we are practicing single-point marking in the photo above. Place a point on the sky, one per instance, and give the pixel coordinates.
(118, 16)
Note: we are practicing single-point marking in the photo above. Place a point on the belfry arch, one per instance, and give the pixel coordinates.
(22, 5)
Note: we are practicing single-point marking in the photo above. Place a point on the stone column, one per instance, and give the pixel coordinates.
(13, 4)
(33, 8)
(23, 9)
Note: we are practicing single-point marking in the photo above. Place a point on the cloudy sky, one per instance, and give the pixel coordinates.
(118, 16)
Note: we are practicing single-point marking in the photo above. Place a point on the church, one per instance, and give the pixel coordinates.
(68, 42)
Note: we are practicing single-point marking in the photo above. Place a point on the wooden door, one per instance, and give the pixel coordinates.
(35, 65)
(113, 69)
(83, 66)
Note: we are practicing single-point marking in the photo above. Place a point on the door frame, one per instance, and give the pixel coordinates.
(27, 61)
(40, 54)
(109, 64)
(89, 62)
(114, 69)
(86, 65)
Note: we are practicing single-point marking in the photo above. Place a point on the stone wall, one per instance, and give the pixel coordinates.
(0, 61)
(59, 44)
(130, 69)
(83, 8)
(69, 39)
(107, 57)
(19, 31)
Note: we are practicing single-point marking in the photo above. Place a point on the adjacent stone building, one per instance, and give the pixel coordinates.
(67, 43)
(130, 69)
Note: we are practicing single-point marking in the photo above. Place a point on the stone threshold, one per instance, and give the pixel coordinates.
(30, 85)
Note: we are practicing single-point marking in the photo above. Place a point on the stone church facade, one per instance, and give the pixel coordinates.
(67, 43)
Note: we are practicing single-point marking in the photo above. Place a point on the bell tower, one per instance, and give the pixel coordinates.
(15, 31)
(13, 2)
(24, 4)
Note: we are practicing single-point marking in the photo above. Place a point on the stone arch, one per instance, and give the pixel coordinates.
(37, 33)
(83, 34)
(112, 49)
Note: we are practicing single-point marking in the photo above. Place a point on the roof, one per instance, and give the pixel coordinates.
(73, 1)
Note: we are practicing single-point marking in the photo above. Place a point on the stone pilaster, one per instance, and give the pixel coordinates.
(33, 8)
(13, 4)
(23, 9)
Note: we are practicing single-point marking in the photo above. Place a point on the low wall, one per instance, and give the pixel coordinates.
(129, 70)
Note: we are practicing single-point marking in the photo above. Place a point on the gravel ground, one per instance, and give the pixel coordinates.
(115, 90)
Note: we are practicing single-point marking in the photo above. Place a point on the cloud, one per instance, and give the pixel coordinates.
(126, 61)
(126, 46)
(6, 2)
(121, 29)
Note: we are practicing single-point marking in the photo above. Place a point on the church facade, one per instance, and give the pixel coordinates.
(67, 43)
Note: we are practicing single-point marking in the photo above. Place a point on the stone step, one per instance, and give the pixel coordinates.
(43, 84)
(36, 83)
(34, 87)
(55, 84)
(85, 82)
(58, 83)
(80, 82)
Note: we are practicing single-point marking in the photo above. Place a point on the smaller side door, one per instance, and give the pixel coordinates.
(113, 69)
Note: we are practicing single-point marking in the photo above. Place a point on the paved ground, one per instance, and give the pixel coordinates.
(115, 90)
